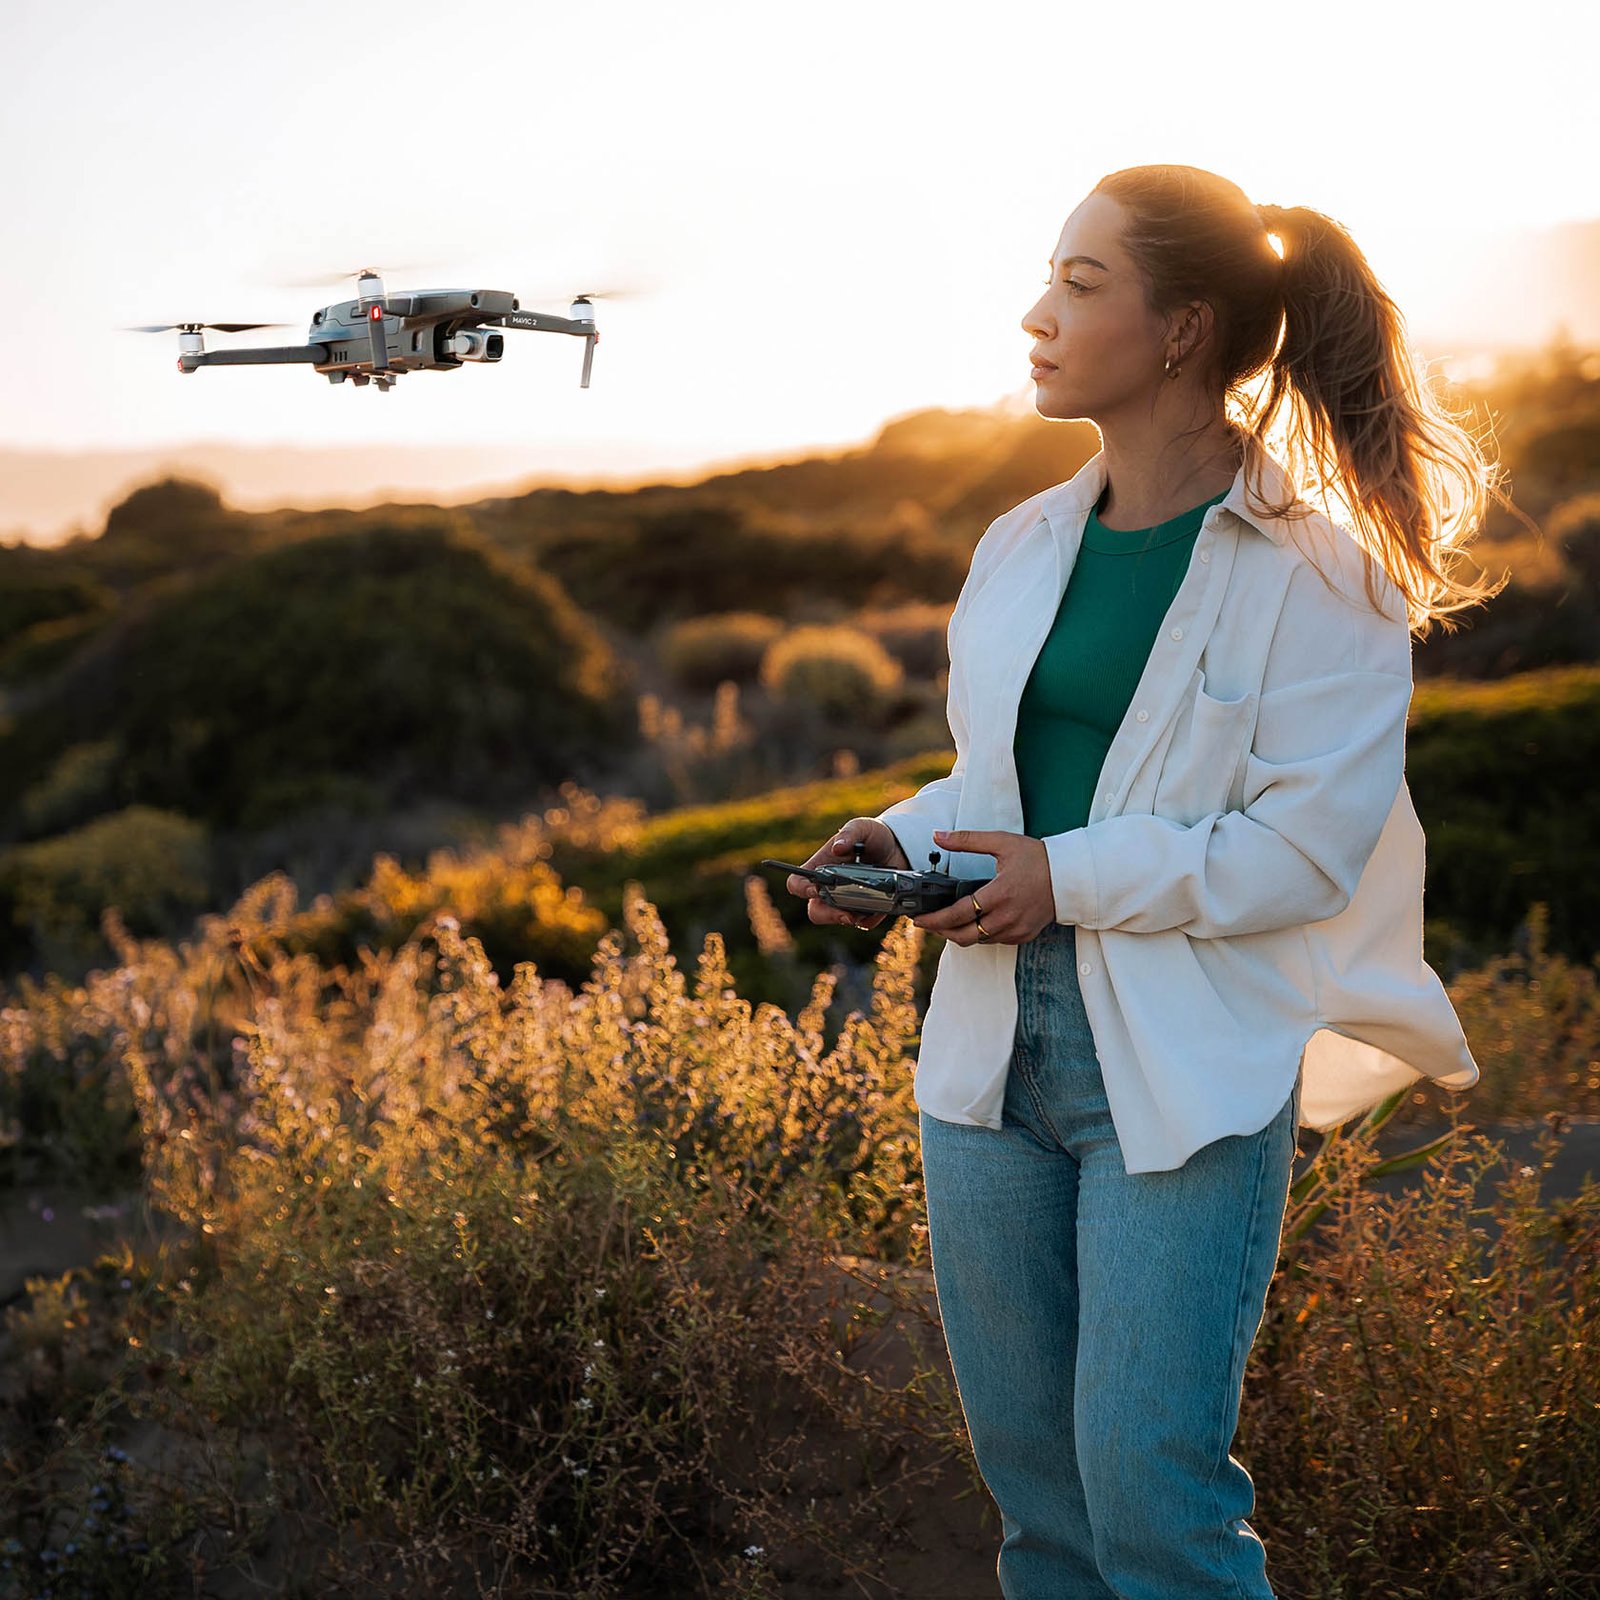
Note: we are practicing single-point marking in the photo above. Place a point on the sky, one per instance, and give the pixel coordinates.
(833, 213)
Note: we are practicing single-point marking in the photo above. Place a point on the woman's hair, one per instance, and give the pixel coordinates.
(1361, 422)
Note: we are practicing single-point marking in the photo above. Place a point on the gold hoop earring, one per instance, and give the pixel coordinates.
(1172, 371)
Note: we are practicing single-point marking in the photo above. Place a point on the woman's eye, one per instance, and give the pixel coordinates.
(1072, 283)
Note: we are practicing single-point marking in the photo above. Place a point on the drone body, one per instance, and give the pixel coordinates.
(377, 337)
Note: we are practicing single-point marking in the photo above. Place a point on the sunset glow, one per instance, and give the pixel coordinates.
(835, 213)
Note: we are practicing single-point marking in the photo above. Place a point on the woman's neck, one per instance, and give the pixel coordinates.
(1142, 489)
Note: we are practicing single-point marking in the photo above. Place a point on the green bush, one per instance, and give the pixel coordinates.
(43, 646)
(727, 647)
(152, 865)
(1575, 530)
(34, 589)
(1503, 775)
(839, 670)
(916, 634)
(406, 659)
(77, 786)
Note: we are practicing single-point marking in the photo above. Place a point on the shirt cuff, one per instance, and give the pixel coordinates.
(915, 836)
(1072, 879)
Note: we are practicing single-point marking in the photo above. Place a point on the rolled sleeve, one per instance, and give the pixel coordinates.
(1072, 880)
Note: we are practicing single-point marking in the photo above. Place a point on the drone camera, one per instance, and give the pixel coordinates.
(476, 344)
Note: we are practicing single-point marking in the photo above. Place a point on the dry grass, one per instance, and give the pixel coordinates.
(470, 1288)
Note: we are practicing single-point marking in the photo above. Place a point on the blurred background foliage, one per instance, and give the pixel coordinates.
(359, 699)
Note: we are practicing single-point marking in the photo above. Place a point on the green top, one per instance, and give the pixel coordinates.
(1084, 676)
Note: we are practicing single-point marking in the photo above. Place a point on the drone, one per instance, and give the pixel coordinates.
(378, 336)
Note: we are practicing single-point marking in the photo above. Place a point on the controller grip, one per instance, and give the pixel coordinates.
(935, 897)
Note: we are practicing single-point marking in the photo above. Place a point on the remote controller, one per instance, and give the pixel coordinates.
(884, 891)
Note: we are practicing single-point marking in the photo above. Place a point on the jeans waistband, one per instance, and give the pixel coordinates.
(1052, 937)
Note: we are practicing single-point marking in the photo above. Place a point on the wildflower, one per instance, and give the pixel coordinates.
(580, 1472)
(600, 1293)
(585, 1403)
(488, 1315)
(754, 1550)
(588, 1370)
(599, 1344)
(1527, 1172)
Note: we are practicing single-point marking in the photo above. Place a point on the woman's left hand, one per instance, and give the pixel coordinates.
(1016, 905)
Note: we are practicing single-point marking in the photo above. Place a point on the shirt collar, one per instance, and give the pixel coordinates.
(1075, 497)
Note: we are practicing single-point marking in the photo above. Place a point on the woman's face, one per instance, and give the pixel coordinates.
(1092, 324)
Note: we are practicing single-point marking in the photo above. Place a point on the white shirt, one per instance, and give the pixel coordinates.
(1247, 891)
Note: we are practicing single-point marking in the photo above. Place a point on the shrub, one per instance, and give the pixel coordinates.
(1503, 776)
(504, 1269)
(1420, 1415)
(839, 670)
(78, 785)
(521, 1273)
(1574, 529)
(403, 660)
(915, 634)
(518, 912)
(705, 651)
(150, 864)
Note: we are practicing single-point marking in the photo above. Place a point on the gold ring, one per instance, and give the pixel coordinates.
(977, 910)
(983, 933)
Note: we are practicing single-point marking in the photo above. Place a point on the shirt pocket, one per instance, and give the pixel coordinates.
(1202, 770)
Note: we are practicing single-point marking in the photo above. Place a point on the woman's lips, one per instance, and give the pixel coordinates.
(1040, 368)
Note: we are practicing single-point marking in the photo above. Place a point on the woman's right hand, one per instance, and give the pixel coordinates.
(882, 850)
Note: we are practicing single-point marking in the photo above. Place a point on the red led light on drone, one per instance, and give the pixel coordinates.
(376, 313)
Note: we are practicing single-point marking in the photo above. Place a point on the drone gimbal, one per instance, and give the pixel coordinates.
(377, 336)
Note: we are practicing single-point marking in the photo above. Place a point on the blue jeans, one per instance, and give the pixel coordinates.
(1098, 1323)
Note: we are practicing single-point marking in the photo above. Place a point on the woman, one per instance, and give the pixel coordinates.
(1178, 694)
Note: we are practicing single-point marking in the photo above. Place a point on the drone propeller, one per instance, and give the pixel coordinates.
(194, 327)
(590, 294)
(324, 279)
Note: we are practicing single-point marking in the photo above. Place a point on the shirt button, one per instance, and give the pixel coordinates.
(1177, 633)
(1142, 715)
(1205, 555)
(1084, 967)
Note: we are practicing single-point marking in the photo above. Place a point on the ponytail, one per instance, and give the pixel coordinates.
(1343, 399)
